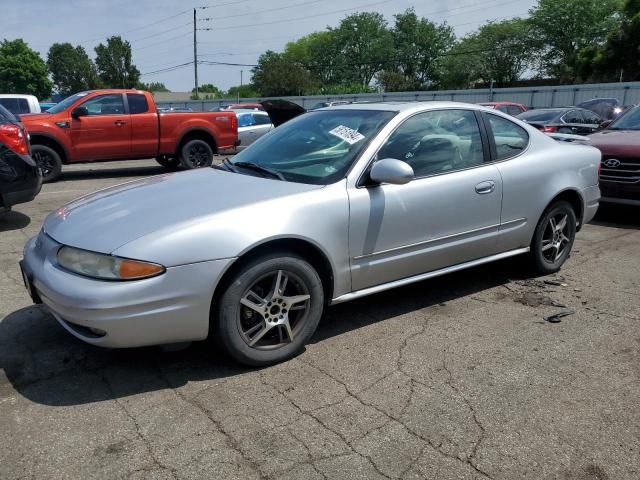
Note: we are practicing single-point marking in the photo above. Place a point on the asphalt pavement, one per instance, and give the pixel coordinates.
(459, 377)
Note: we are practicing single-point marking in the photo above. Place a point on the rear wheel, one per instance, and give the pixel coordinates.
(270, 310)
(48, 161)
(196, 154)
(554, 237)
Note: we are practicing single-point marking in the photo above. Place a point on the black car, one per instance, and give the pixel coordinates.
(572, 120)
(20, 178)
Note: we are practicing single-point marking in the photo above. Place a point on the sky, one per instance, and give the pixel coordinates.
(161, 31)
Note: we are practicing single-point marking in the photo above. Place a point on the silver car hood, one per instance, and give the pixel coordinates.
(107, 219)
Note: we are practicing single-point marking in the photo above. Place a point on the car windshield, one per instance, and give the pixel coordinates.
(59, 107)
(317, 147)
(539, 115)
(629, 121)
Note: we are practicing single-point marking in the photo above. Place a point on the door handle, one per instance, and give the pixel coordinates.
(486, 187)
(119, 123)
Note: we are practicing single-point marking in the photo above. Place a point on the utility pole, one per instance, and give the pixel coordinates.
(241, 72)
(195, 51)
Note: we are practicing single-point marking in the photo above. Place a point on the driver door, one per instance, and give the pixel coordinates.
(449, 214)
(103, 134)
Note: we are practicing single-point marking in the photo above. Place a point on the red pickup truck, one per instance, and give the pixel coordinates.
(101, 125)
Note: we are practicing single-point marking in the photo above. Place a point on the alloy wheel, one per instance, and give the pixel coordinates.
(198, 156)
(555, 238)
(273, 310)
(46, 163)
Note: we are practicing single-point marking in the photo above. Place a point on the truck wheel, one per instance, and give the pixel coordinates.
(170, 163)
(49, 162)
(196, 154)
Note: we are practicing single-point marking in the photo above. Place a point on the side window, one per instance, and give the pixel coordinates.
(513, 110)
(510, 139)
(573, 116)
(591, 118)
(503, 108)
(436, 142)
(105, 105)
(245, 120)
(261, 119)
(137, 103)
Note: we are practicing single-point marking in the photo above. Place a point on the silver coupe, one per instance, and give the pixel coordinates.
(333, 205)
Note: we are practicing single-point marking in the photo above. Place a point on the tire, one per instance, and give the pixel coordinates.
(550, 248)
(257, 335)
(196, 154)
(49, 162)
(170, 163)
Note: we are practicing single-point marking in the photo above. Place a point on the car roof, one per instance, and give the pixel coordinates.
(404, 106)
(16, 95)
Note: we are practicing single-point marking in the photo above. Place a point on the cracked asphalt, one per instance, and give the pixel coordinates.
(459, 377)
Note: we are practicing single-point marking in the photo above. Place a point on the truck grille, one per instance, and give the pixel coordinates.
(625, 170)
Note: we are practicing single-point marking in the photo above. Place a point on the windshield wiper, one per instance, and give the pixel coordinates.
(226, 166)
(259, 168)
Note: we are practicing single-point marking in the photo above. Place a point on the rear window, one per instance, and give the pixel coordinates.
(262, 119)
(137, 103)
(539, 115)
(15, 105)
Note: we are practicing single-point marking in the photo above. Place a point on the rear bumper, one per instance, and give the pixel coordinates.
(591, 197)
(20, 178)
(170, 308)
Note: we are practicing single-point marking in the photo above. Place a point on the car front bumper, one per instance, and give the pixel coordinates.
(170, 308)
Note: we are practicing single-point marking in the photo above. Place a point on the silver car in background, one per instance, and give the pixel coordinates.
(252, 124)
(333, 205)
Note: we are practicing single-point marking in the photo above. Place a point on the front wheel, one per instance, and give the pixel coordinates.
(554, 237)
(196, 154)
(269, 311)
(48, 161)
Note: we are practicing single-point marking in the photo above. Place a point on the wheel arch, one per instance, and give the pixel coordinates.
(39, 138)
(577, 203)
(196, 133)
(302, 247)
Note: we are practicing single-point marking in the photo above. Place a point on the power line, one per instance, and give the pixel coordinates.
(271, 9)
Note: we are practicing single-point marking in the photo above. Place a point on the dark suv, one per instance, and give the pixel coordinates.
(620, 147)
(20, 178)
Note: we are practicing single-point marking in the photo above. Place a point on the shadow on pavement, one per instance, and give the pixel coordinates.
(619, 216)
(93, 173)
(13, 220)
(48, 366)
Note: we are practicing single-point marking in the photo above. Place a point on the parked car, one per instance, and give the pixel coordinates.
(620, 147)
(252, 124)
(46, 106)
(242, 106)
(124, 124)
(605, 108)
(329, 207)
(334, 103)
(20, 178)
(510, 108)
(19, 104)
(572, 120)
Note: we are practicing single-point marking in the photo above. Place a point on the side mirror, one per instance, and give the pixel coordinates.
(390, 170)
(605, 124)
(79, 112)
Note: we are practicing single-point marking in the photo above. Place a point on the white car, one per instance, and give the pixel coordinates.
(19, 104)
(252, 124)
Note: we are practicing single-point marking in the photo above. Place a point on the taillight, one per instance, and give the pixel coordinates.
(549, 129)
(14, 138)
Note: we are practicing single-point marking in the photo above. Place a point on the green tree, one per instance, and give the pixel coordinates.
(277, 75)
(152, 87)
(366, 46)
(114, 64)
(321, 54)
(560, 29)
(71, 69)
(22, 70)
(244, 91)
(419, 45)
(619, 58)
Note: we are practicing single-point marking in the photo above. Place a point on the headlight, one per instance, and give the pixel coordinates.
(106, 267)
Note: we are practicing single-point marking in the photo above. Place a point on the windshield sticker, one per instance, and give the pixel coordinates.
(347, 134)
